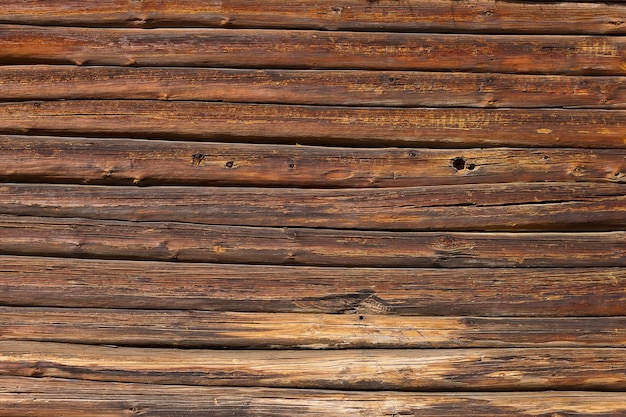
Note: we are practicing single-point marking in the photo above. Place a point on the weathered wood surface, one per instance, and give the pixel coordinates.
(73, 398)
(549, 292)
(347, 88)
(361, 126)
(158, 162)
(490, 207)
(251, 48)
(175, 241)
(285, 243)
(480, 16)
(203, 329)
(507, 369)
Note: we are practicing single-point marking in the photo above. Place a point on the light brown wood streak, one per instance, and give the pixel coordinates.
(387, 15)
(489, 207)
(549, 292)
(319, 124)
(310, 331)
(369, 369)
(156, 162)
(248, 48)
(353, 88)
(169, 241)
(41, 397)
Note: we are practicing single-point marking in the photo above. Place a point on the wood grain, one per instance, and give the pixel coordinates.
(252, 48)
(350, 88)
(363, 208)
(41, 397)
(489, 207)
(156, 162)
(173, 241)
(386, 15)
(549, 292)
(195, 329)
(357, 126)
(363, 369)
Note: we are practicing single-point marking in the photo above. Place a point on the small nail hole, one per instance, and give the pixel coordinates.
(458, 163)
(197, 158)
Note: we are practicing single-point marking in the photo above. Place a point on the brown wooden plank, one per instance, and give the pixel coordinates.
(387, 15)
(141, 162)
(353, 88)
(251, 48)
(488, 207)
(445, 127)
(44, 397)
(368, 369)
(196, 329)
(33, 281)
(169, 241)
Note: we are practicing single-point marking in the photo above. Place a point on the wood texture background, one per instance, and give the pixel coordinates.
(361, 208)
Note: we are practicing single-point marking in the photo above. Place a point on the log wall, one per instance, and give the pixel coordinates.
(356, 207)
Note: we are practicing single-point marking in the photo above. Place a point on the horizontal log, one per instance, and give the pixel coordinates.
(195, 329)
(142, 162)
(488, 207)
(57, 282)
(353, 369)
(253, 48)
(439, 127)
(42, 397)
(432, 15)
(349, 88)
(168, 241)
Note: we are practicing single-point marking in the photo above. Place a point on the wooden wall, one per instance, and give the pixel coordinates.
(297, 208)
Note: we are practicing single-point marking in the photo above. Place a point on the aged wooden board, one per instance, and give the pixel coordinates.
(353, 88)
(196, 329)
(387, 15)
(549, 292)
(344, 201)
(155, 162)
(175, 241)
(369, 369)
(41, 397)
(488, 207)
(250, 48)
(360, 126)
